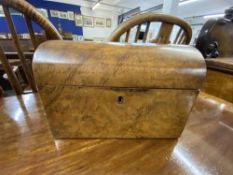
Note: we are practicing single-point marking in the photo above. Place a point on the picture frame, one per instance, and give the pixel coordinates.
(108, 22)
(77, 37)
(80, 38)
(3, 36)
(9, 36)
(99, 22)
(1, 11)
(14, 12)
(78, 20)
(25, 36)
(70, 15)
(54, 13)
(44, 12)
(88, 21)
(63, 15)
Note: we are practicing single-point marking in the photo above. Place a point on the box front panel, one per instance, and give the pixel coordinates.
(91, 112)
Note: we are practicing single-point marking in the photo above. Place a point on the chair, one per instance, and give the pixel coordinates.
(30, 14)
(183, 35)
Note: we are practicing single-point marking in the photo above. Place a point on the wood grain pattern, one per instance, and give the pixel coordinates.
(7, 45)
(111, 90)
(219, 84)
(25, 66)
(27, 145)
(221, 64)
(31, 31)
(118, 65)
(163, 36)
(116, 113)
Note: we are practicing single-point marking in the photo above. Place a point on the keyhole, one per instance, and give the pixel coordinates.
(120, 99)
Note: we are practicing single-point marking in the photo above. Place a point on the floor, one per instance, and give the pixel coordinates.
(27, 145)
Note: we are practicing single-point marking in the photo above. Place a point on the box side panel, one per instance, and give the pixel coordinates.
(86, 112)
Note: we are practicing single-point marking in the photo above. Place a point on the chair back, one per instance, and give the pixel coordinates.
(30, 14)
(168, 25)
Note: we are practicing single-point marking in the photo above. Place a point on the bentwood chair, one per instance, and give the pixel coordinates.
(30, 14)
(168, 24)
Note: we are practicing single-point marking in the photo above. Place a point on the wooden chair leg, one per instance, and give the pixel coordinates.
(11, 75)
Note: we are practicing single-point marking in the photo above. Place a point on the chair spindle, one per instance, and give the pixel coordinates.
(10, 74)
(137, 33)
(31, 32)
(146, 32)
(127, 36)
(26, 69)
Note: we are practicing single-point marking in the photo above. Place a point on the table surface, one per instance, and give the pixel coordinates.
(220, 63)
(27, 146)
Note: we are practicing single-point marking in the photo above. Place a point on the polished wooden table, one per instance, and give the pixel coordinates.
(27, 146)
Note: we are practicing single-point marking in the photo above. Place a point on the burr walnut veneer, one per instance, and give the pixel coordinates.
(109, 90)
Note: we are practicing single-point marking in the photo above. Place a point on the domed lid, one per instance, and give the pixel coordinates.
(91, 64)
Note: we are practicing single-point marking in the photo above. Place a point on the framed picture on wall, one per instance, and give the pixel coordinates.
(3, 36)
(44, 12)
(78, 20)
(25, 36)
(88, 21)
(1, 10)
(77, 37)
(70, 15)
(12, 12)
(54, 13)
(99, 22)
(108, 22)
(63, 15)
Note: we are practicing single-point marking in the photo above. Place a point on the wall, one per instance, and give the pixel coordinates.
(99, 33)
(196, 24)
(194, 12)
(96, 33)
(67, 25)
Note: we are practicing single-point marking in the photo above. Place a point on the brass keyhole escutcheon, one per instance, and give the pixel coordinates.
(120, 100)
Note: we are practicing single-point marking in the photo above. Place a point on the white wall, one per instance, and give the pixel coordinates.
(99, 33)
(103, 11)
(203, 7)
(194, 8)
